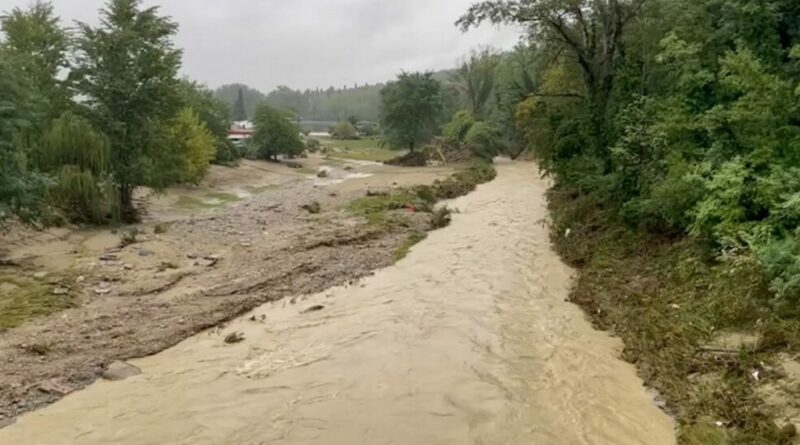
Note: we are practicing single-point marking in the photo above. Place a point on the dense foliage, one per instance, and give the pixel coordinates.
(683, 116)
(344, 130)
(411, 110)
(275, 134)
(88, 117)
(19, 188)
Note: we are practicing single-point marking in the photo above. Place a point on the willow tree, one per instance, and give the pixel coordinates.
(79, 158)
(127, 71)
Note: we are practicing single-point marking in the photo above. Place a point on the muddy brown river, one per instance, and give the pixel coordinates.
(468, 340)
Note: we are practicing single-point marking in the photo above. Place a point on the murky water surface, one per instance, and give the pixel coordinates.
(466, 341)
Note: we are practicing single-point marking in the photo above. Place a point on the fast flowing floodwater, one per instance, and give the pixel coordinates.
(466, 341)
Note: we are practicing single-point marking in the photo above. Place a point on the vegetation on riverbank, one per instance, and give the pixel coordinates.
(671, 130)
(23, 297)
(386, 209)
(671, 301)
(81, 130)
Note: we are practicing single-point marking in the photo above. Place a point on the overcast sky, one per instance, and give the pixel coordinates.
(309, 43)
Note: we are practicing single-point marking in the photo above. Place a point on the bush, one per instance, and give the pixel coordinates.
(483, 141)
(227, 153)
(465, 181)
(455, 132)
(781, 262)
(368, 129)
(313, 145)
(344, 130)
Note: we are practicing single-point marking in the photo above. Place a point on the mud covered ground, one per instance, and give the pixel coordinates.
(203, 256)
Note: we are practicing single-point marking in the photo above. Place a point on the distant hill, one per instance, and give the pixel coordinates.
(332, 104)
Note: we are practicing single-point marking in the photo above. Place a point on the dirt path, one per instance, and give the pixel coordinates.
(467, 340)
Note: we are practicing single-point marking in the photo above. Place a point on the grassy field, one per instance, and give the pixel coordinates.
(366, 149)
(23, 298)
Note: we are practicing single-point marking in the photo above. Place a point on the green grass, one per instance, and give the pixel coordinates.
(412, 240)
(667, 298)
(382, 210)
(366, 149)
(378, 210)
(27, 299)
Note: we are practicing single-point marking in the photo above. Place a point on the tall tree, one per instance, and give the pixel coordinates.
(39, 45)
(20, 191)
(275, 134)
(411, 109)
(127, 70)
(476, 78)
(591, 30)
(239, 110)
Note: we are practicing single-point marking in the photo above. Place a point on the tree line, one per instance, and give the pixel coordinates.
(332, 104)
(680, 117)
(89, 114)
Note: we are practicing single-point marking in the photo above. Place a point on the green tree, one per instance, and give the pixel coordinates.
(476, 78)
(39, 45)
(127, 71)
(591, 30)
(78, 157)
(411, 109)
(215, 115)
(239, 110)
(20, 191)
(275, 134)
(193, 145)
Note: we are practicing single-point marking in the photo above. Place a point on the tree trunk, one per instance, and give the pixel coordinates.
(411, 146)
(128, 211)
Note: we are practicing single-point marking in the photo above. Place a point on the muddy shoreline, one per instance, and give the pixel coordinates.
(208, 268)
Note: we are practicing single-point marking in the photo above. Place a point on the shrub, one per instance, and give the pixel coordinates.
(483, 141)
(344, 130)
(368, 129)
(455, 132)
(313, 145)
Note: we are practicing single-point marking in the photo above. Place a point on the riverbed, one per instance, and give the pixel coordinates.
(468, 339)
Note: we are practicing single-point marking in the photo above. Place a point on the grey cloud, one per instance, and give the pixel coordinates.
(309, 43)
